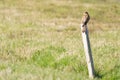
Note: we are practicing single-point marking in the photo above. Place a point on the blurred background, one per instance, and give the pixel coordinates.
(41, 39)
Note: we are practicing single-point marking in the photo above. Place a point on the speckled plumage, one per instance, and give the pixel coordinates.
(84, 21)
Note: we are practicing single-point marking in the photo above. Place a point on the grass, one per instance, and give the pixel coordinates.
(41, 39)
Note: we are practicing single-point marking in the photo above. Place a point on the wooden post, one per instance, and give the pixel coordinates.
(88, 53)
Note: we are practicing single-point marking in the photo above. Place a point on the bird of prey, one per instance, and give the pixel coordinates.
(85, 20)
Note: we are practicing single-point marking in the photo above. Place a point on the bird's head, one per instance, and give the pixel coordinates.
(86, 12)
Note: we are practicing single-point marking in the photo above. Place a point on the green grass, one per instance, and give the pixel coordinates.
(41, 39)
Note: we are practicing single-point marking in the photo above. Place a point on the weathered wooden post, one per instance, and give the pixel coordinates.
(86, 43)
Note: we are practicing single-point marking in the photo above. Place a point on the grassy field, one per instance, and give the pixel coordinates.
(41, 39)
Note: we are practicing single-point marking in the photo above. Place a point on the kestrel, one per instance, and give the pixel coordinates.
(85, 20)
